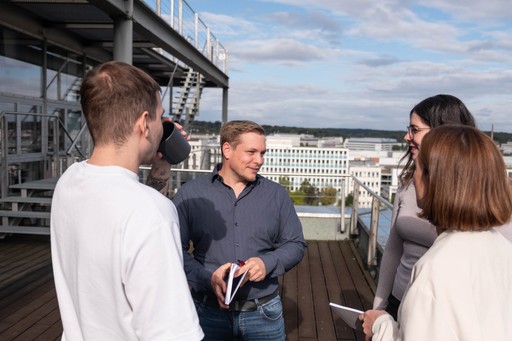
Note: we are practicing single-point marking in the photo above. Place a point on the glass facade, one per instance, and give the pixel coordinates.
(40, 114)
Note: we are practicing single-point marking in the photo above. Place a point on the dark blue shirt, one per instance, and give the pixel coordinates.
(261, 222)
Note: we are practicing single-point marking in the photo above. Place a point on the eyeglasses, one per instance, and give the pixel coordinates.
(413, 130)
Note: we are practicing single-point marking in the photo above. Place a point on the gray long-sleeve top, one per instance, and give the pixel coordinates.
(410, 237)
(261, 222)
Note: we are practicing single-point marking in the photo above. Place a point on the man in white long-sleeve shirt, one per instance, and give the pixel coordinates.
(116, 247)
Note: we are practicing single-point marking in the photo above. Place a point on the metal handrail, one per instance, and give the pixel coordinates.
(377, 202)
(377, 205)
(196, 32)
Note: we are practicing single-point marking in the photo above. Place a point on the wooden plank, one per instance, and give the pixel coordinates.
(29, 310)
(13, 274)
(356, 273)
(331, 263)
(48, 319)
(290, 306)
(306, 316)
(7, 324)
(324, 323)
(28, 320)
(26, 295)
(21, 259)
(54, 332)
(349, 297)
(10, 251)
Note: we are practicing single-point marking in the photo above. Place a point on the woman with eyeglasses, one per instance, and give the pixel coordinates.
(461, 289)
(410, 236)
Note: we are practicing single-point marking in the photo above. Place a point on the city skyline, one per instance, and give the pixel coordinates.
(361, 64)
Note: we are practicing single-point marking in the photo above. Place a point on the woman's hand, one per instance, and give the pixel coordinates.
(368, 318)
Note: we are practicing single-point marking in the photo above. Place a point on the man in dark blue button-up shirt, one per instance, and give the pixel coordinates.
(235, 214)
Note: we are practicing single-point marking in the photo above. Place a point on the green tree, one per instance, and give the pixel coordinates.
(285, 182)
(349, 200)
(310, 193)
(297, 197)
(328, 196)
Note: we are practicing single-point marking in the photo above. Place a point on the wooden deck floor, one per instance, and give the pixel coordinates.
(330, 272)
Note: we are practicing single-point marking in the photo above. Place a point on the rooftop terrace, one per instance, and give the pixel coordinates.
(331, 271)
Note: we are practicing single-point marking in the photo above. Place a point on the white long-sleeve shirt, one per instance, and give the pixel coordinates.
(461, 289)
(117, 259)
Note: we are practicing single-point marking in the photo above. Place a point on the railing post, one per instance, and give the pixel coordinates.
(342, 205)
(196, 30)
(180, 17)
(3, 154)
(209, 44)
(355, 209)
(172, 14)
(372, 238)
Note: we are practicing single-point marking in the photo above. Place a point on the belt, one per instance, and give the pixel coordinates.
(210, 300)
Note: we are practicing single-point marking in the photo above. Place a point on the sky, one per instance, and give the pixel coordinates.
(360, 63)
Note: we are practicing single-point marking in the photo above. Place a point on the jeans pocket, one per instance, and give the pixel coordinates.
(272, 310)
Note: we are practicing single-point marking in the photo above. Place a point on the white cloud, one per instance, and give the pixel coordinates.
(364, 64)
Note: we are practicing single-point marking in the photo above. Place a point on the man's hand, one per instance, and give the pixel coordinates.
(219, 284)
(257, 270)
(180, 129)
(368, 318)
(158, 177)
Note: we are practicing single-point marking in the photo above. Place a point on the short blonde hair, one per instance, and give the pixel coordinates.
(230, 132)
(466, 181)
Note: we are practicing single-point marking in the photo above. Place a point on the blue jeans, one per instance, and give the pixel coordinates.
(265, 323)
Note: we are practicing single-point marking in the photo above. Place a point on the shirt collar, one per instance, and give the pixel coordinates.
(216, 176)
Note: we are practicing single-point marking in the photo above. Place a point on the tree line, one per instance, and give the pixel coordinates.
(309, 195)
(212, 128)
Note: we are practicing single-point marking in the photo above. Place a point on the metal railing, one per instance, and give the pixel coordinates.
(378, 203)
(182, 18)
(53, 152)
(349, 185)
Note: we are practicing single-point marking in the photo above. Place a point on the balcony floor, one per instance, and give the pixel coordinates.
(329, 272)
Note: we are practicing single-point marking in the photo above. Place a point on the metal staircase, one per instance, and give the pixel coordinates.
(188, 99)
(27, 209)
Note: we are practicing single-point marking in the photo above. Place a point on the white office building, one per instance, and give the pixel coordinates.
(371, 143)
(369, 174)
(321, 167)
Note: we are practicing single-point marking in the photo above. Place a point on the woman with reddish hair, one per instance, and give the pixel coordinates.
(461, 289)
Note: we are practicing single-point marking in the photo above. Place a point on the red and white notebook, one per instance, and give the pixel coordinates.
(233, 283)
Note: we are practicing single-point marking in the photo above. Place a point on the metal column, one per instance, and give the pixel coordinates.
(123, 35)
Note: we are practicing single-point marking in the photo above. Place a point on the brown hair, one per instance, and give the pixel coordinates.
(113, 96)
(465, 178)
(230, 132)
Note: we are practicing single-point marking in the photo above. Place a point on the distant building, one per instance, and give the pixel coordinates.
(371, 143)
(506, 148)
(204, 153)
(323, 163)
(369, 173)
(287, 156)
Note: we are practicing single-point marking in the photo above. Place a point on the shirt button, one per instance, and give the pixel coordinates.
(236, 224)
(237, 245)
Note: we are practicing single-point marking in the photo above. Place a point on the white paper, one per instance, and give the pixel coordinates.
(233, 282)
(349, 315)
